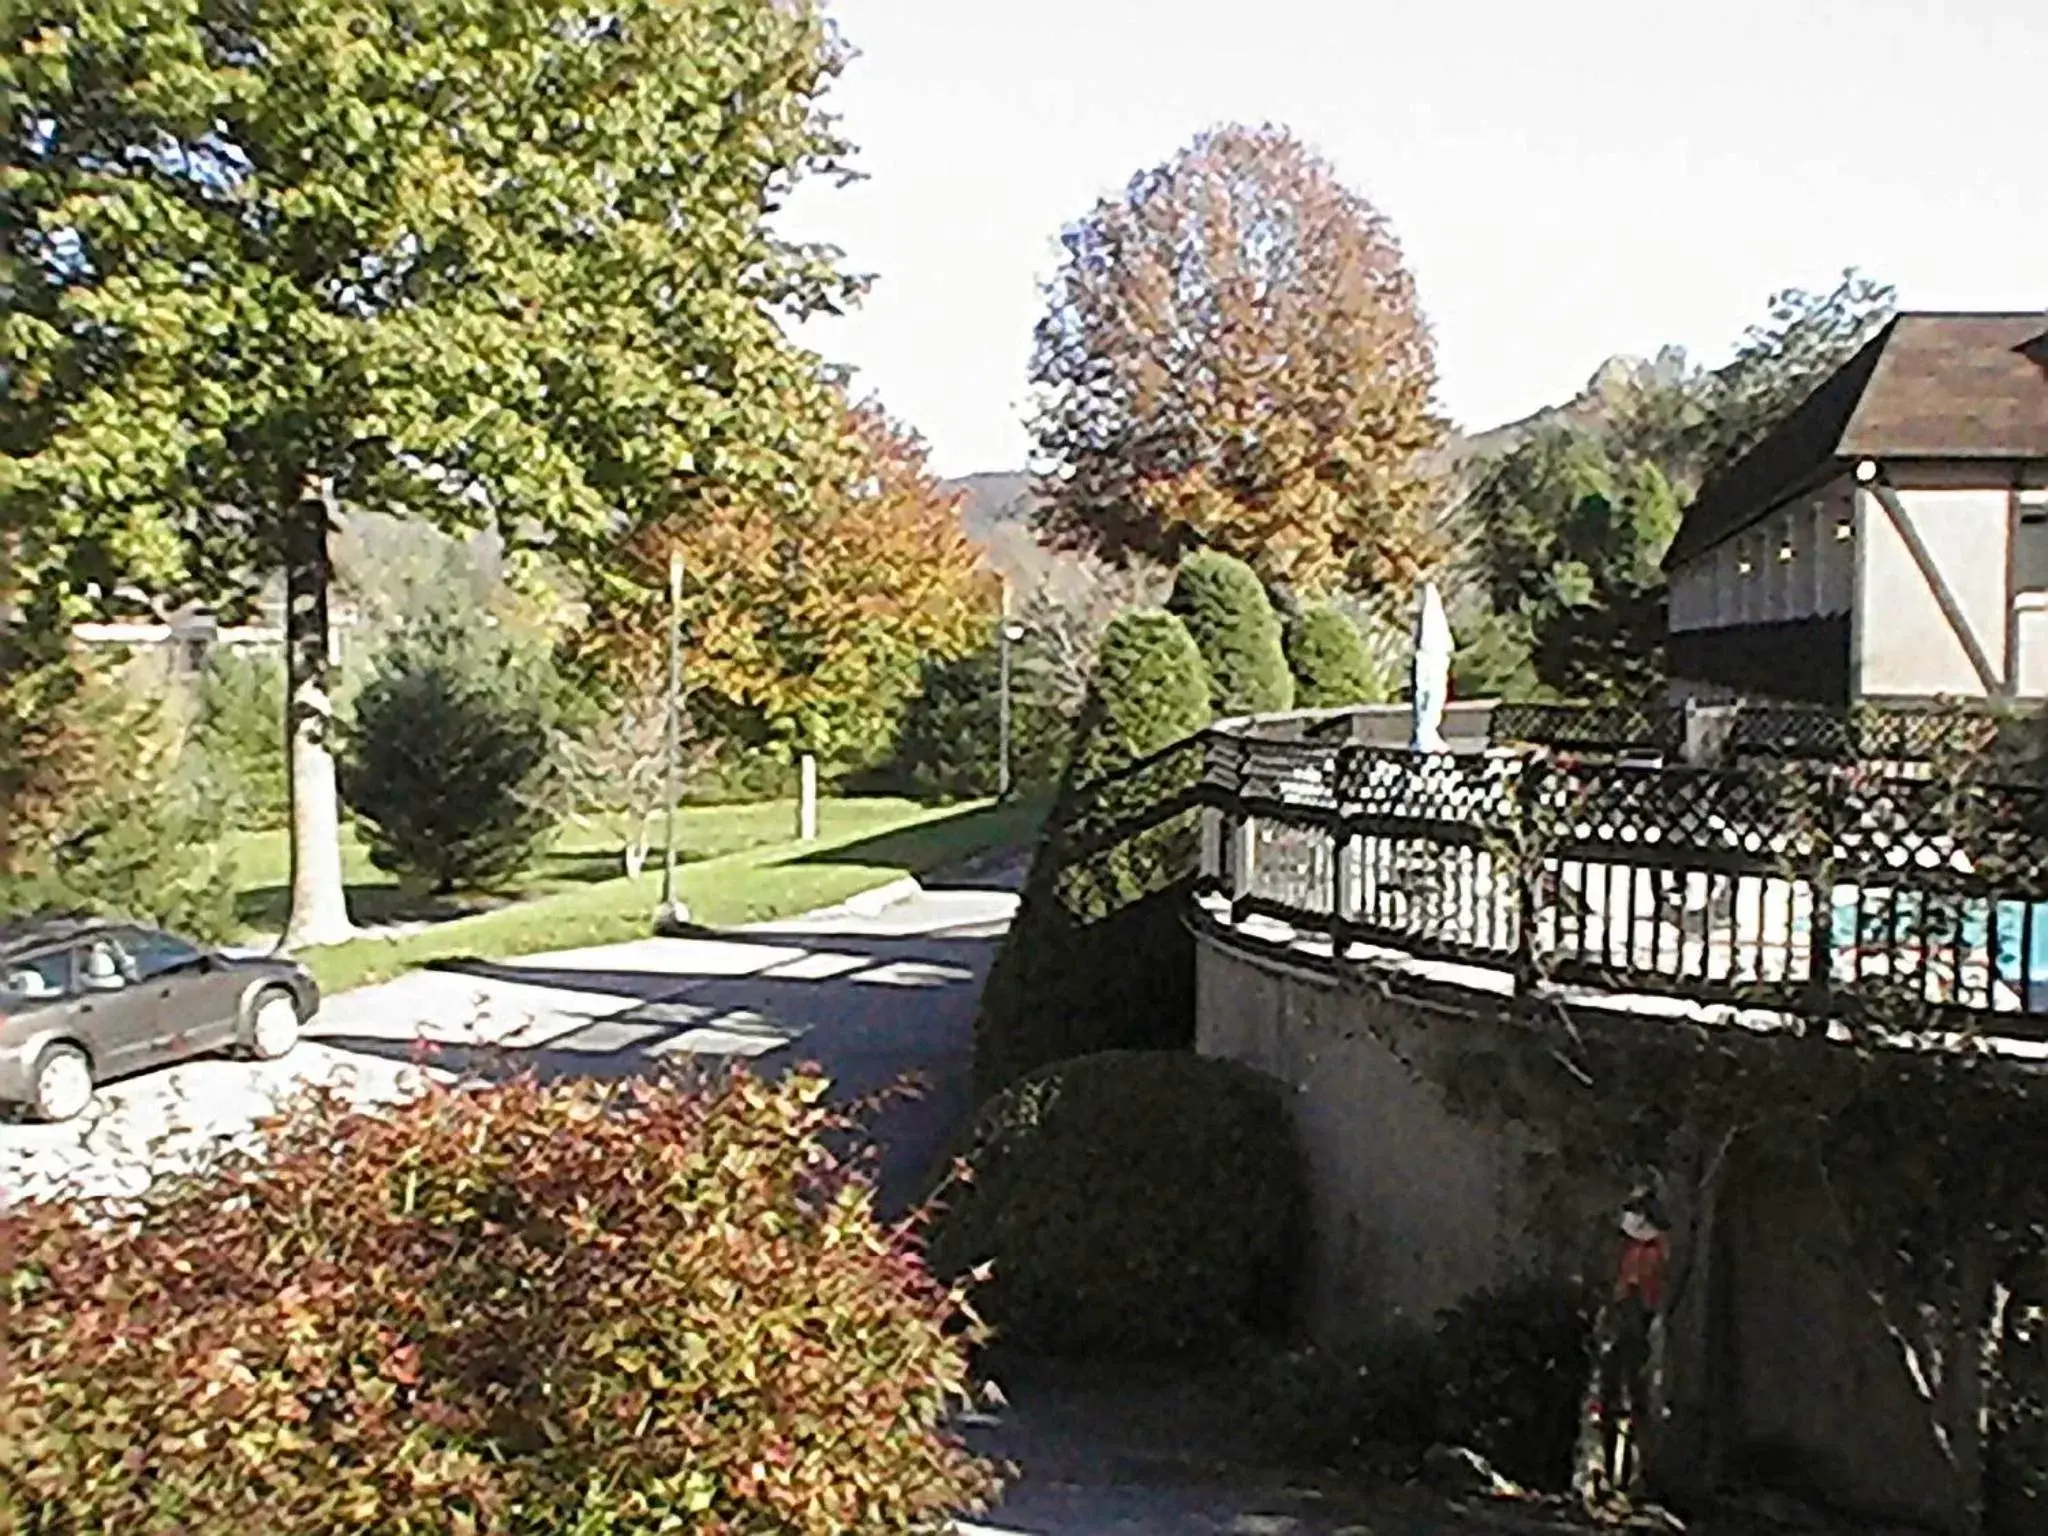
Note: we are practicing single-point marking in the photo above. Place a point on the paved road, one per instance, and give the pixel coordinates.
(866, 995)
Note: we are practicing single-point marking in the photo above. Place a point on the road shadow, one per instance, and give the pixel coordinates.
(867, 1009)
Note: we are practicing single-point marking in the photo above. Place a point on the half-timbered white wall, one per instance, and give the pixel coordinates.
(1798, 563)
(1838, 550)
(1990, 550)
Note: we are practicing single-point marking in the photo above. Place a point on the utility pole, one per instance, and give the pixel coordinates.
(672, 909)
(1003, 695)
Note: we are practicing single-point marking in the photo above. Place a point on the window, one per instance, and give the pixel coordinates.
(36, 979)
(157, 954)
(2030, 544)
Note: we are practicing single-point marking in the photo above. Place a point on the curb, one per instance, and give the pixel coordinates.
(872, 903)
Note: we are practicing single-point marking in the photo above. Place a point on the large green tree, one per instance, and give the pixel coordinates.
(509, 263)
(1571, 532)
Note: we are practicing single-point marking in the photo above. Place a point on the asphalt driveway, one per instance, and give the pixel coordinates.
(868, 995)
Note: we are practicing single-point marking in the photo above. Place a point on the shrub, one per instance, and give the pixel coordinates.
(1234, 626)
(1329, 660)
(1370, 1402)
(450, 759)
(1512, 1365)
(1099, 956)
(950, 743)
(1503, 1373)
(121, 820)
(241, 734)
(529, 1309)
(1132, 1203)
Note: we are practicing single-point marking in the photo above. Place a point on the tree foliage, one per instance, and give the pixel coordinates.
(1332, 667)
(1233, 357)
(240, 733)
(951, 738)
(119, 818)
(1694, 424)
(451, 763)
(506, 264)
(432, 253)
(511, 1311)
(807, 626)
(1099, 956)
(1573, 531)
(1569, 525)
(1233, 625)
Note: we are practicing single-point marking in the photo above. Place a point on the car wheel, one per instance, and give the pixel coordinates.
(273, 1026)
(63, 1085)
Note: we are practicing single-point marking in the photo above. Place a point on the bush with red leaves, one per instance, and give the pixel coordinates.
(606, 1310)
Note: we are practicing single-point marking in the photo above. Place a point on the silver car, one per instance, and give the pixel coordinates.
(85, 1000)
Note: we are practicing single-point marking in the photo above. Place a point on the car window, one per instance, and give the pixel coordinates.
(103, 966)
(156, 953)
(36, 978)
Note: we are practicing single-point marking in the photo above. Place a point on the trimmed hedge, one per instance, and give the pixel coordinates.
(1225, 608)
(1131, 1203)
(529, 1309)
(1332, 667)
(1099, 955)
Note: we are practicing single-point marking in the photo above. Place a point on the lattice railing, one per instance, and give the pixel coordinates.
(1590, 727)
(1798, 886)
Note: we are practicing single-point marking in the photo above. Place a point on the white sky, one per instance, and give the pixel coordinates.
(1569, 180)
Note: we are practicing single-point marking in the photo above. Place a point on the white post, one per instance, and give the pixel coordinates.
(807, 801)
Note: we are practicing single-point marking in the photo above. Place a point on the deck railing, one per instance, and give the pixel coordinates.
(1819, 889)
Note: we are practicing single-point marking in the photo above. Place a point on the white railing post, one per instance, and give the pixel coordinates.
(1212, 846)
(1245, 831)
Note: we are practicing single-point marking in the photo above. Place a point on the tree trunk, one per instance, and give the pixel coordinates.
(319, 906)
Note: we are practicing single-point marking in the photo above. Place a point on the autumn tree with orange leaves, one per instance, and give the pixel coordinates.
(1233, 358)
(805, 629)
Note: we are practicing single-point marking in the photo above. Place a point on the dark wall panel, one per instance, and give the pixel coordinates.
(1805, 659)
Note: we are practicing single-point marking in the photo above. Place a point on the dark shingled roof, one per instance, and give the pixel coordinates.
(1927, 386)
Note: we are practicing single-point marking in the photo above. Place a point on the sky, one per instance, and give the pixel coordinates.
(1569, 181)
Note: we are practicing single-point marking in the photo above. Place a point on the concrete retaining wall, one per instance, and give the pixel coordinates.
(1414, 1208)
(1780, 1365)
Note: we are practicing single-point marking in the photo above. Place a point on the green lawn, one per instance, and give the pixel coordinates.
(861, 844)
(580, 855)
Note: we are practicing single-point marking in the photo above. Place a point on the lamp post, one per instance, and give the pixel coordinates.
(1006, 634)
(672, 908)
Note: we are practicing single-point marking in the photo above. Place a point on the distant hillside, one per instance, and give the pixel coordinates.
(993, 499)
(996, 514)
(1612, 376)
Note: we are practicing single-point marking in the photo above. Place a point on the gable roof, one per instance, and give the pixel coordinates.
(1927, 386)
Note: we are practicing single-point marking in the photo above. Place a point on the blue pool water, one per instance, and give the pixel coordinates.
(2004, 925)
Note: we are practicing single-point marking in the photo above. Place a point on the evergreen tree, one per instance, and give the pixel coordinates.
(1228, 615)
(1329, 660)
(450, 761)
(1099, 956)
